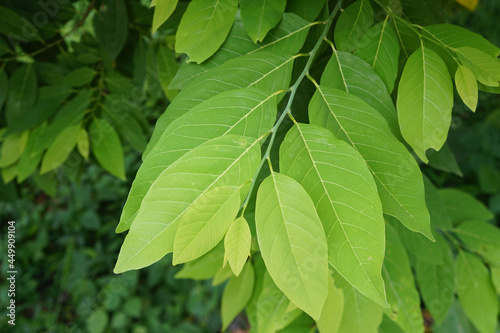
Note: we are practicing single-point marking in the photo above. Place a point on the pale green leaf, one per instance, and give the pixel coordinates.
(348, 72)
(345, 196)
(437, 281)
(205, 223)
(352, 24)
(237, 244)
(12, 148)
(476, 292)
(360, 315)
(222, 275)
(307, 9)
(331, 315)
(379, 47)
(394, 169)
(402, 294)
(484, 67)
(82, 143)
(204, 27)
(482, 238)
(287, 38)
(249, 112)
(292, 242)
(60, 149)
(260, 16)
(203, 268)
(467, 87)
(163, 10)
(236, 295)
(229, 160)
(425, 100)
(106, 147)
(269, 71)
(462, 206)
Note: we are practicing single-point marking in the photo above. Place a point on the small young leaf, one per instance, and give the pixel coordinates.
(393, 167)
(60, 149)
(106, 147)
(482, 238)
(229, 160)
(203, 268)
(237, 244)
(444, 160)
(476, 292)
(12, 148)
(466, 86)
(379, 47)
(205, 223)
(260, 16)
(204, 27)
(402, 294)
(352, 24)
(292, 242)
(83, 143)
(236, 295)
(437, 281)
(485, 67)
(425, 100)
(352, 217)
(163, 10)
(462, 206)
(331, 315)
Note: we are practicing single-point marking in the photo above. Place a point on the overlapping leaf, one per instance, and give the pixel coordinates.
(466, 84)
(485, 67)
(345, 196)
(398, 178)
(379, 47)
(308, 9)
(352, 24)
(230, 160)
(248, 112)
(425, 100)
(331, 315)
(461, 206)
(482, 238)
(260, 16)
(292, 242)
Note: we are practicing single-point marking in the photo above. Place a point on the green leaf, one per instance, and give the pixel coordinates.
(287, 38)
(82, 143)
(79, 77)
(360, 315)
(106, 147)
(16, 27)
(352, 24)
(292, 242)
(409, 40)
(466, 86)
(425, 100)
(97, 321)
(236, 295)
(12, 148)
(379, 47)
(111, 27)
(352, 218)
(436, 281)
(260, 16)
(489, 178)
(203, 268)
(482, 238)
(402, 294)
(31, 157)
(495, 278)
(22, 94)
(347, 72)
(163, 10)
(388, 326)
(331, 315)
(269, 71)
(249, 112)
(444, 160)
(9, 173)
(393, 167)
(307, 9)
(205, 223)
(4, 87)
(476, 292)
(60, 149)
(230, 160)
(166, 68)
(462, 206)
(484, 67)
(204, 27)
(222, 275)
(435, 205)
(237, 244)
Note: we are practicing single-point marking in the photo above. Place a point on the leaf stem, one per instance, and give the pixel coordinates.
(288, 107)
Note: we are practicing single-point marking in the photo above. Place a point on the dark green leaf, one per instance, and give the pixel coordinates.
(79, 77)
(307, 9)
(111, 27)
(462, 206)
(22, 94)
(106, 147)
(352, 24)
(482, 238)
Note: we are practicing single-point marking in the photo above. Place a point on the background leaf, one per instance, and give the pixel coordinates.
(163, 10)
(462, 206)
(22, 94)
(106, 147)
(482, 238)
(111, 27)
(60, 149)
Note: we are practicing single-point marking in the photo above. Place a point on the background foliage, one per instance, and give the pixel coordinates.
(113, 77)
